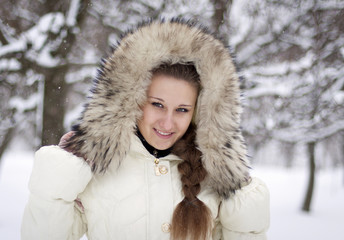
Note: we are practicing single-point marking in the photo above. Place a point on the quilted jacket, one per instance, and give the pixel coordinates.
(121, 196)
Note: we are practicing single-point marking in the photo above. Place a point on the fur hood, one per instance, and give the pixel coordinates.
(109, 118)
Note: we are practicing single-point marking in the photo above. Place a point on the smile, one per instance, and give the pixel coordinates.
(162, 133)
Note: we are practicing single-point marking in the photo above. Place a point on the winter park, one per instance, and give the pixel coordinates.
(288, 57)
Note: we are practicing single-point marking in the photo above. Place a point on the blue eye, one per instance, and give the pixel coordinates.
(157, 104)
(182, 110)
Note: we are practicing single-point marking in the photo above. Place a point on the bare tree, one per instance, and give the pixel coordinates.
(43, 47)
(291, 57)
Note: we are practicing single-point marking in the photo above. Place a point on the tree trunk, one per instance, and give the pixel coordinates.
(53, 106)
(309, 194)
(55, 87)
(220, 17)
(5, 141)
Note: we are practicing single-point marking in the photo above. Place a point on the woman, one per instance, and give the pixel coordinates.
(164, 152)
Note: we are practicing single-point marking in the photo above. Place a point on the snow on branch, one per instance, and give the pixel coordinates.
(13, 47)
(7, 32)
(308, 135)
(281, 69)
(35, 42)
(334, 91)
(269, 80)
(72, 13)
(279, 28)
(331, 5)
(269, 89)
(22, 104)
(11, 64)
(254, 47)
(37, 35)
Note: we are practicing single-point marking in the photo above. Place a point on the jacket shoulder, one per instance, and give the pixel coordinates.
(58, 174)
(247, 211)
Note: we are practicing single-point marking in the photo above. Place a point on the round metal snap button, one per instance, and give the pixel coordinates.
(166, 227)
(163, 169)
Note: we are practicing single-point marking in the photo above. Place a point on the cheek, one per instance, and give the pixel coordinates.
(143, 120)
(184, 123)
(148, 116)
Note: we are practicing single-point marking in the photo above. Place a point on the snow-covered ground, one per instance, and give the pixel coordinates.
(286, 186)
(287, 189)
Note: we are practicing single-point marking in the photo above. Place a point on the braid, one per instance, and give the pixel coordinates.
(191, 218)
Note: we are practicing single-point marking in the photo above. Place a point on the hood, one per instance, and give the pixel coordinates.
(109, 118)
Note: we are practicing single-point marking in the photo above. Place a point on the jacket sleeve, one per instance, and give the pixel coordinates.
(246, 215)
(56, 180)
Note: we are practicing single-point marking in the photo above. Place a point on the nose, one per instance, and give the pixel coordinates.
(167, 122)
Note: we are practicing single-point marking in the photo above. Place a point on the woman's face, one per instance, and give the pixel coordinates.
(168, 111)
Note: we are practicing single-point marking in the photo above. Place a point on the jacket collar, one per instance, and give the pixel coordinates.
(137, 148)
(152, 150)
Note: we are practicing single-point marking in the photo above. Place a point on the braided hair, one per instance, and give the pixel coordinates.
(191, 218)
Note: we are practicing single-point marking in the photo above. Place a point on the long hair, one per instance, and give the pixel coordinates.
(191, 218)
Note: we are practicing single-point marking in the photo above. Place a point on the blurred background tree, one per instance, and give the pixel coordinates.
(290, 55)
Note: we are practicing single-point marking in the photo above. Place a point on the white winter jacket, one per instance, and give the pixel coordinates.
(122, 198)
(130, 202)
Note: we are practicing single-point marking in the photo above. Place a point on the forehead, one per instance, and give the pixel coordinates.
(165, 81)
(172, 89)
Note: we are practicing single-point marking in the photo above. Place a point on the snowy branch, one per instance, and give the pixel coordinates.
(72, 13)
(11, 64)
(22, 104)
(269, 89)
(6, 33)
(330, 5)
(35, 44)
(13, 47)
(281, 69)
(305, 135)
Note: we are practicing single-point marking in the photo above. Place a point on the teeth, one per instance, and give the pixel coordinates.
(162, 133)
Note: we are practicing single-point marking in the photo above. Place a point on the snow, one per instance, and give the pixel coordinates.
(241, 24)
(14, 177)
(324, 5)
(287, 187)
(22, 104)
(45, 59)
(72, 12)
(269, 89)
(9, 64)
(283, 68)
(254, 47)
(83, 73)
(37, 35)
(15, 46)
(72, 115)
(339, 97)
(50, 22)
(303, 134)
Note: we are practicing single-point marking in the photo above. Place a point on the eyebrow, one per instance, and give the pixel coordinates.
(162, 100)
(185, 105)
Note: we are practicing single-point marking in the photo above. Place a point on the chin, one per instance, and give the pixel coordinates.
(162, 147)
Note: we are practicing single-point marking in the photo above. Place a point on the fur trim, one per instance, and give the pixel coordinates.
(109, 119)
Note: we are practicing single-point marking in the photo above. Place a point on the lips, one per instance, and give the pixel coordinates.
(163, 134)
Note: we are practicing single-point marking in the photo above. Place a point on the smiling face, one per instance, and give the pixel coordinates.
(168, 111)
